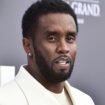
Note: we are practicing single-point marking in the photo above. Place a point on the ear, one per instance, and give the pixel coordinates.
(27, 44)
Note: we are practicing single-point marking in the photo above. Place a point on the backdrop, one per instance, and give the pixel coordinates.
(89, 70)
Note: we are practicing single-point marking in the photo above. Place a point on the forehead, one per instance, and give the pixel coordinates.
(57, 21)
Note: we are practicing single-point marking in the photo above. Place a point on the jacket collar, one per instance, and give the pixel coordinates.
(34, 91)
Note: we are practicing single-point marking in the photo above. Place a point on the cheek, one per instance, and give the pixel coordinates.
(48, 51)
(73, 51)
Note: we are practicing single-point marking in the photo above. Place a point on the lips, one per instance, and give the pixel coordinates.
(62, 60)
(62, 63)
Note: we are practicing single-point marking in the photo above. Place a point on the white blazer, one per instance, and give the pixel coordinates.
(25, 90)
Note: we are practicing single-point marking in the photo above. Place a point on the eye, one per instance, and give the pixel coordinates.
(51, 37)
(71, 38)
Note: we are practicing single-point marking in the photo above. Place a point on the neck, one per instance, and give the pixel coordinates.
(56, 88)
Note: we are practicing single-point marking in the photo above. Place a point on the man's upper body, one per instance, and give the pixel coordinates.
(49, 38)
(25, 90)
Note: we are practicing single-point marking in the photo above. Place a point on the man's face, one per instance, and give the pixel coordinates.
(55, 46)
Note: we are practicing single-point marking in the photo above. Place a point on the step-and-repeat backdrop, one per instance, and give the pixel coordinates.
(89, 70)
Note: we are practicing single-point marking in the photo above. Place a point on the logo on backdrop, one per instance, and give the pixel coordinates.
(85, 8)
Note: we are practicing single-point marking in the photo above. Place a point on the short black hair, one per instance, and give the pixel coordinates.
(43, 7)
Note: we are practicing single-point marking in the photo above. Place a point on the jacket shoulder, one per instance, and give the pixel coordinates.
(81, 97)
(11, 94)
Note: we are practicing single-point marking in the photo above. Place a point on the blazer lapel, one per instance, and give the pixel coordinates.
(68, 88)
(33, 91)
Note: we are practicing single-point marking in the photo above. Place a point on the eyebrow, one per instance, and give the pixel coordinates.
(51, 32)
(72, 33)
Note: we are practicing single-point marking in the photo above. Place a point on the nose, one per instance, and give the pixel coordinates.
(62, 47)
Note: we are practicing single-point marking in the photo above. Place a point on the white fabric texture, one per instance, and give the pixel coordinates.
(25, 90)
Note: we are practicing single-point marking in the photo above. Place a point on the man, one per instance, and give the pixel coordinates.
(49, 38)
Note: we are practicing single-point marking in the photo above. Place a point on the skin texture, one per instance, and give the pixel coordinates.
(53, 50)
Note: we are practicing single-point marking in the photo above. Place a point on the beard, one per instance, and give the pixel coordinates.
(48, 71)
